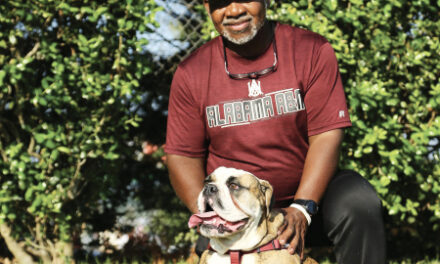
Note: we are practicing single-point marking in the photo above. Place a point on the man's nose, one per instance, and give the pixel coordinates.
(210, 189)
(234, 10)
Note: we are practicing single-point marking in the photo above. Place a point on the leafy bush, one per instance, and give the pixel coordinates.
(388, 56)
(71, 81)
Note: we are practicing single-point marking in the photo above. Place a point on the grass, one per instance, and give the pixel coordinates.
(437, 261)
(408, 261)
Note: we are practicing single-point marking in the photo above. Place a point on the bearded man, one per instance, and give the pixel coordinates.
(268, 98)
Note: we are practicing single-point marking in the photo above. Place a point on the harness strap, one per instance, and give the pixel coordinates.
(272, 245)
(236, 255)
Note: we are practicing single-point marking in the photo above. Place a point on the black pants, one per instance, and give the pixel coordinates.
(349, 218)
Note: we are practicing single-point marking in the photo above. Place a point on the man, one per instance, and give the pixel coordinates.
(267, 98)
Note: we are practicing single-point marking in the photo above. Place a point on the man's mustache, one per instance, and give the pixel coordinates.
(232, 21)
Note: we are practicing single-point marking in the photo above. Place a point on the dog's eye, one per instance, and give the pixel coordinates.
(234, 186)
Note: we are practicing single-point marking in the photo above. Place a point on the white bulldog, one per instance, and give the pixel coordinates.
(235, 214)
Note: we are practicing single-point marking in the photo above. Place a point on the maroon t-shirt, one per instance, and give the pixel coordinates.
(261, 126)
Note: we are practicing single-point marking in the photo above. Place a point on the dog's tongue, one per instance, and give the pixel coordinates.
(212, 218)
(197, 219)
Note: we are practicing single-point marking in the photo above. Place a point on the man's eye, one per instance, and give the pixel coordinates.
(234, 186)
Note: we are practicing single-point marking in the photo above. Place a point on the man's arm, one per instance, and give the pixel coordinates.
(320, 165)
(187, 176)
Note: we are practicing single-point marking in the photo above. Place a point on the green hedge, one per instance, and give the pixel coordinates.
(389, 57)
(71, 77)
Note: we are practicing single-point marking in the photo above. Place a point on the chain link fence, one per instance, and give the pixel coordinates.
(179, 33)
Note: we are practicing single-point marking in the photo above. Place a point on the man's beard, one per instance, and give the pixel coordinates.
(245, 39)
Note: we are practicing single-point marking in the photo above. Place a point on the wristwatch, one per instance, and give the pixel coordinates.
(310, 205)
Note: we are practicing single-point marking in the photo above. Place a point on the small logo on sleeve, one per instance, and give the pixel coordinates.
(341, 114)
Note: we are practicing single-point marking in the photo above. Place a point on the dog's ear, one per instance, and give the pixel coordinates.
(267, 190)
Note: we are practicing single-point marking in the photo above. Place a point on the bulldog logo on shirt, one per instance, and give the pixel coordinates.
(254, 88)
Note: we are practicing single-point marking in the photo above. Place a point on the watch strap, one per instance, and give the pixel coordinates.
(303, 210)
(309, 205)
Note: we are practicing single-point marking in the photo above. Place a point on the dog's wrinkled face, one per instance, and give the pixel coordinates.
(231, 201)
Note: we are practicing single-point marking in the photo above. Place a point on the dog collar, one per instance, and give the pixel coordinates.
(237, 254)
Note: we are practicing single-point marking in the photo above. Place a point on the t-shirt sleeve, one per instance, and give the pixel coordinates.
(324, 96)
(185, 127)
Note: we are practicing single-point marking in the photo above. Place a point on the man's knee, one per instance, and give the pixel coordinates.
(352, 215)
(350, 197)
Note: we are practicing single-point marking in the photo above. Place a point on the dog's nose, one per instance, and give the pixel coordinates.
(210, 189)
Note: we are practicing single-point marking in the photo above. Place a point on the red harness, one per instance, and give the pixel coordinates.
(237, 254)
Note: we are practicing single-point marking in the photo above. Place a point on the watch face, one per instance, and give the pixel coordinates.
(312, 208)
(309, 205)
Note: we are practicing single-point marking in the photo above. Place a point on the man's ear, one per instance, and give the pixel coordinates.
(267, 190)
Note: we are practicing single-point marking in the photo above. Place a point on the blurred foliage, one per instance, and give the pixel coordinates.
(76, 89)
(389, 58)
(168, 226)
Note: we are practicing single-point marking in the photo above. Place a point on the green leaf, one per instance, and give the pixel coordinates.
(50, 144)
(2, 76)
(42, 101)
(64, 149)
(384, 181)
(368, 149)
(40, 137)
(28, 194)
(82, 39)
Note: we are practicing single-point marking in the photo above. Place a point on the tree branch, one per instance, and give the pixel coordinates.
(38, 251)
(3, 153)
(30, 149)
(33, 50)
(38, 236)
(16, 249)
(71, 193)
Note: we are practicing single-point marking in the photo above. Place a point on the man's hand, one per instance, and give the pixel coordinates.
(293, 231)
(321, 162)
